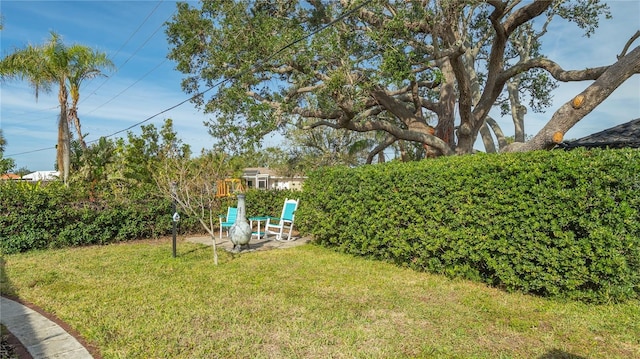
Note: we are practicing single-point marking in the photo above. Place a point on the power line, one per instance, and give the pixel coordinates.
(130, 86)
(124, 44)
(163, 111)
(136, 31)
(32, 151)
(127, 60)
(241, 73)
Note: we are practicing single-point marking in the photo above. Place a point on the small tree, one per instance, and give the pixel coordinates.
(191, 183)
(6, 164)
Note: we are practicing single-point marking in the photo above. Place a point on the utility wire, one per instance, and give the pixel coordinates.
(127, 60)
(123, 45)
(128, 87)
(136, 31)
(338, 19)
(32, 151)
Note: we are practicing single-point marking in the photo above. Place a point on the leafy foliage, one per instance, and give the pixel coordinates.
(109, 168)
(382, 67)
(559, 224)
(38, 216)
(6, 164)
(268, 203)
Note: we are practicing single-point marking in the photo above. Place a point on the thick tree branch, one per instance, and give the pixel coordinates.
(397, 132)
(502, 142)
(628, 44)
(388, 141)
(397, 108)
(524, 14)
(554, 69)
(317, 113)
(573, 111)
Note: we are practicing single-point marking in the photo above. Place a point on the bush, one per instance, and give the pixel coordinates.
(39, 216)
(557, 224)
(268, 203)
(27, 210)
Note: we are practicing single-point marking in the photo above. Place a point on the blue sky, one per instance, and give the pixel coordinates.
(145, 83)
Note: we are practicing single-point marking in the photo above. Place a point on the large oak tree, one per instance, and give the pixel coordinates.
(421, 71)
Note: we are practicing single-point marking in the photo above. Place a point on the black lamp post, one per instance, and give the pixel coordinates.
(176, 216)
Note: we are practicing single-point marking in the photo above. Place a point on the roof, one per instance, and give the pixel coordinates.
(254, 171)
(9, 176)
(624, 135)
(42, 176)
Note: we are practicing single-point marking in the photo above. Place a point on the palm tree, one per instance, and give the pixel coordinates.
(86, 64)
(6, 164)
(55, 64)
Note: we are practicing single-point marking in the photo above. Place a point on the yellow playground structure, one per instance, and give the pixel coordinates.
(228, 187)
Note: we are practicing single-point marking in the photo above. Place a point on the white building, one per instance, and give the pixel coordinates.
(42, 176)
(265, 178)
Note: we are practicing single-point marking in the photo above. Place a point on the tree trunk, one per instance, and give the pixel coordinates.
(447, 103)
(64, 140)
(517, 109)
(73, 117)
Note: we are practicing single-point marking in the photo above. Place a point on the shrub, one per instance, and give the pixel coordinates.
(557, 224)
(38, 216)
(268, 203)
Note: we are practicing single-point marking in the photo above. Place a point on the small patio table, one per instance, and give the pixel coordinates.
(258, 219)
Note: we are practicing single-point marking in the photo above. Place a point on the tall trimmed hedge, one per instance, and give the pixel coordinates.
(37, 216)
(557, 224)
(268, 203)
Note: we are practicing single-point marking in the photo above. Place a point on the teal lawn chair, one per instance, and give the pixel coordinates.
(278, 225)
(228, 221)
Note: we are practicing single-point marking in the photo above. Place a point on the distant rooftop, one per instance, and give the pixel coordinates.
(9, 176)
(254, 171)
(621, 136)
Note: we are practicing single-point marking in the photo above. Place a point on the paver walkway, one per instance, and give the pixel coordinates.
(40, 336)
(255, 244)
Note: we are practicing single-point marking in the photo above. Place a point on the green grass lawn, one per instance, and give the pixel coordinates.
(135, 301)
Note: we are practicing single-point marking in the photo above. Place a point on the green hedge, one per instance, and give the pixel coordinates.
(268, 203)
(262, 202)
(557, 224)
(37, 216)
